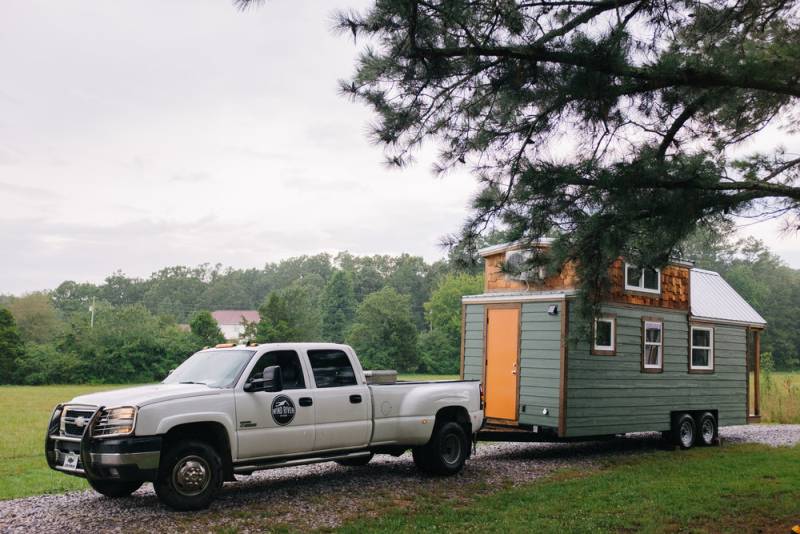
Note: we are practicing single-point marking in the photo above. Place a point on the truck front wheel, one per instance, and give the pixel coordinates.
(189, 476)
(446, 451)
(115, 488)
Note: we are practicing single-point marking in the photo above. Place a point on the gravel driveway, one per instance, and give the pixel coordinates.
(325, 495)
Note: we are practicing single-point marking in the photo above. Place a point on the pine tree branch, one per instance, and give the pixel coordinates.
(583, 18)
(681, 77)
(687, 114)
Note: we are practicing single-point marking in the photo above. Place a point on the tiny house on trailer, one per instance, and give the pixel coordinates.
(671, 350)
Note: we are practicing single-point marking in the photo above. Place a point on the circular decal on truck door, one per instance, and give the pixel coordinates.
(283, 410)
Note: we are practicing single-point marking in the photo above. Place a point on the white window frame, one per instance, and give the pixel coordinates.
(710, 348)
(641, 287)
(660, 363)
(605, 348)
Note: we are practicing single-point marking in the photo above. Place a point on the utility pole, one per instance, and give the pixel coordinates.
(91, 308)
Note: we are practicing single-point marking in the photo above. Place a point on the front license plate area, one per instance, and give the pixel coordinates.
(71, 461)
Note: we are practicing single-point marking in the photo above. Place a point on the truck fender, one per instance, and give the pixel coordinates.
(168, 423)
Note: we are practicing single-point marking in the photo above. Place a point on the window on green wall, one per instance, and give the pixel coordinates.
(701, 357)
(652, 345)
(604, 336)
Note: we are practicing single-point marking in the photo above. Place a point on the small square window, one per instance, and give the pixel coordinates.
(701, 349)
(651, 279)
(642, 279)
(633, 276)
(604, 336)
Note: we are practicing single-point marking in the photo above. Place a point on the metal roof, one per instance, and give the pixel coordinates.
(516, 296)
(546, 242)
(502, 247)
(713, 298)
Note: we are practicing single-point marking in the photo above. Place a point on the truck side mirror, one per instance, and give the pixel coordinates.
(271, 380)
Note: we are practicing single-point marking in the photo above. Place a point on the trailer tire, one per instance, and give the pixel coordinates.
(114, 489)
(707, 429)
(190, 475)
(355, 462)
(685, 432)
(446, 451)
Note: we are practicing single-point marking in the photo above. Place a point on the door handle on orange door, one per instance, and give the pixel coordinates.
(514, 370)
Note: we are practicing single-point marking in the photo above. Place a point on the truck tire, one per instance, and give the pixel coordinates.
(115, 489)
(190, 475)
(707, 425)
(446, 451)
(685, 432)
(356, 462)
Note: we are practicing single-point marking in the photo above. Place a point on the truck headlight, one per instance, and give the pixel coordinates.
(116, 422)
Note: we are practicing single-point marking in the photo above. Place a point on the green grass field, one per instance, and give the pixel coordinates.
(24, 411)
(740, 488)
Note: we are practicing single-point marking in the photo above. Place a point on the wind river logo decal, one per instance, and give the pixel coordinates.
(283, 410)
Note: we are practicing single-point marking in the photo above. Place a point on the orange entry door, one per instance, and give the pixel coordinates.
(502, 351)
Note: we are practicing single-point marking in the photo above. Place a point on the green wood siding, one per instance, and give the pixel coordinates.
(540, 353)
(473, 341)
(610, 394)
(540, 364)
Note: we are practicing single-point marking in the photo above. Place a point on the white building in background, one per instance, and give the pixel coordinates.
(232, 322)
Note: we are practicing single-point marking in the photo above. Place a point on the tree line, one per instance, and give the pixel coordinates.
(398, 312)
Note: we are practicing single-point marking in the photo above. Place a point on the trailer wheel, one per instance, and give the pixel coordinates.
(189, 476)
(685, 432)
(356, 462)
(446, 451)
(708, 429)
(115, 489)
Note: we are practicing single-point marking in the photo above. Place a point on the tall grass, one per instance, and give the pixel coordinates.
(780, 397)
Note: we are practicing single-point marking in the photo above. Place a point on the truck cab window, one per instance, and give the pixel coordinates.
(331, 368)
(288, 361)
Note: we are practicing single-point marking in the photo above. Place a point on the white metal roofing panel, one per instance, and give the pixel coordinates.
(522, 296)
(502, 247)
(713, 298)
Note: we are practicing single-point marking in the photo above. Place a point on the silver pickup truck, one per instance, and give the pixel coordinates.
(235, 410)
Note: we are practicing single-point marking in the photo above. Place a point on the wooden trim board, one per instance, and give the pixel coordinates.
(562, 385)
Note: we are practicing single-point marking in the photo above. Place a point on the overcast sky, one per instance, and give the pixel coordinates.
(136, 135)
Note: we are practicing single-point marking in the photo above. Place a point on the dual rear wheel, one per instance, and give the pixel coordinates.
(701, 430)
(446, 451)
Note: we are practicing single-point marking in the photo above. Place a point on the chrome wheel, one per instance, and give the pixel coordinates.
(451, 449)
(708, 431)
(191, 476)
(686, 434)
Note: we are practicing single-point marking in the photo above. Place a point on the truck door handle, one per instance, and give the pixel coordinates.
(306, 401)
(355, 399)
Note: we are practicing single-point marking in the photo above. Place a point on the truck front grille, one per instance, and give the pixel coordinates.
(75, 420)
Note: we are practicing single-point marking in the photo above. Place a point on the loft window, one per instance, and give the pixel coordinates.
(604, 336)
(702, 349)
(642, 279)
(652, 346)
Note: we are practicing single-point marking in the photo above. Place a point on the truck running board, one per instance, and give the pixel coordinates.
(246, 469)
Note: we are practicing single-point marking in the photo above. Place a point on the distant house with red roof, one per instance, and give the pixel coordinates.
(232, 322)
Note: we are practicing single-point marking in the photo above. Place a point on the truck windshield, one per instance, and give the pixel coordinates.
(214, 368)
